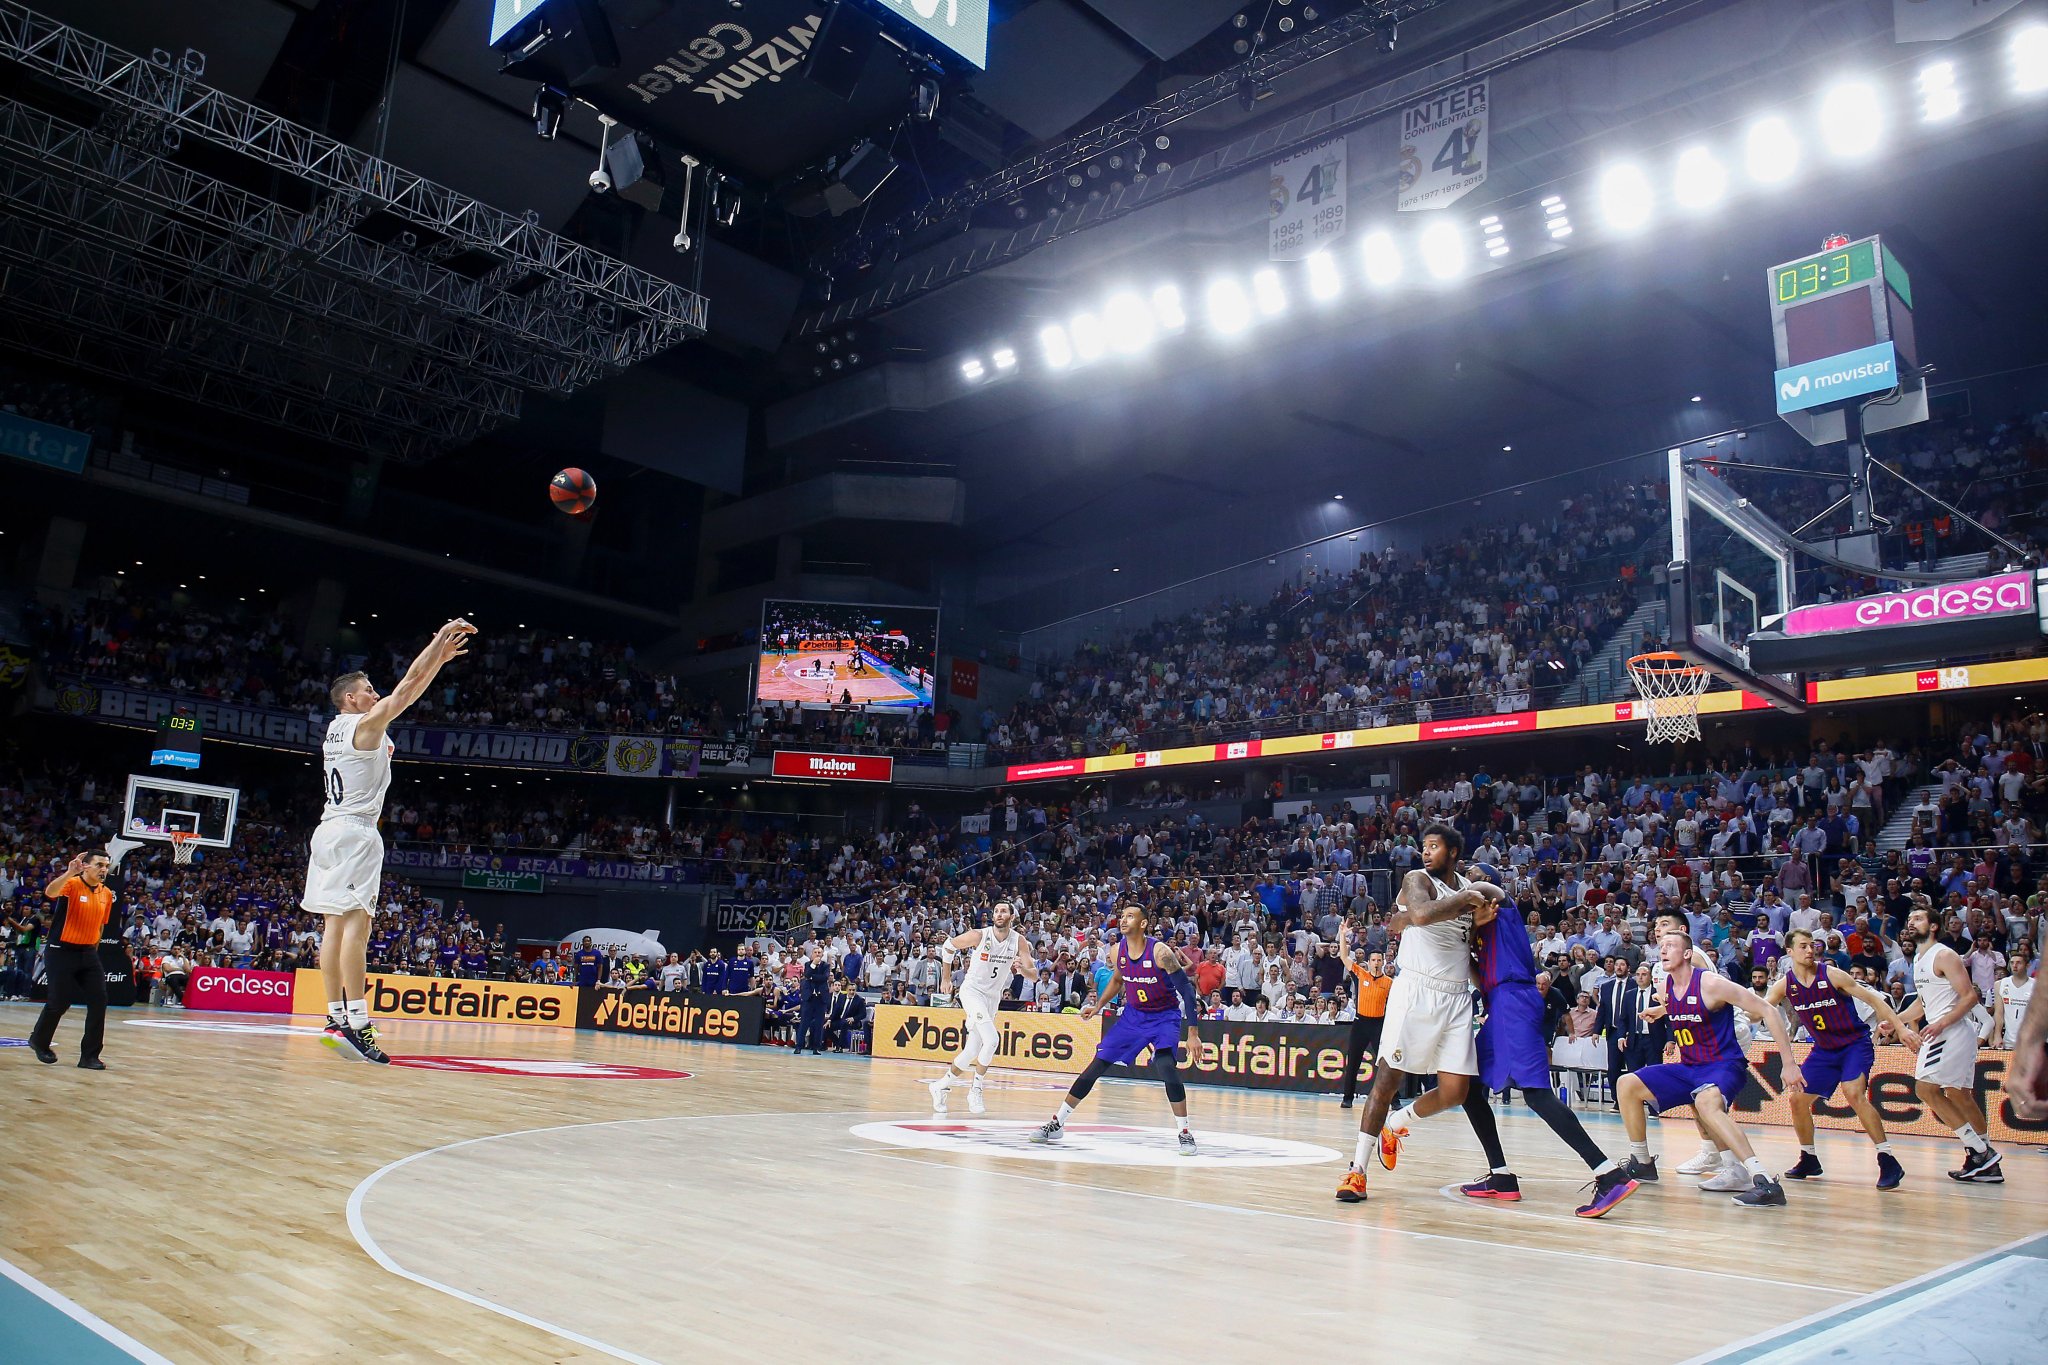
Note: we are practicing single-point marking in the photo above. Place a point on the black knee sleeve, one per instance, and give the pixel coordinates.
(1085, 1082)
(1164, 1067)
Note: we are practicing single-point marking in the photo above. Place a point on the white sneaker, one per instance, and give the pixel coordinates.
(1707, 1159)
(1730, 1179)
(938, 1089)
(975, 1103)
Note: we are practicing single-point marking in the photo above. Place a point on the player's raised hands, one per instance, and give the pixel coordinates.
(452, 640)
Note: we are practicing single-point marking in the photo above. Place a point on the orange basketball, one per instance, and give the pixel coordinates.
(573, 490)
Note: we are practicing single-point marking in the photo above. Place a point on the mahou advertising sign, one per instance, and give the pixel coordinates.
(236, 988)
(834, 767)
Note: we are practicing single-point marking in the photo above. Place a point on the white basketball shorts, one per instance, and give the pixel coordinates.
(1429, 1027)
(344, 868)
(1950, 1061)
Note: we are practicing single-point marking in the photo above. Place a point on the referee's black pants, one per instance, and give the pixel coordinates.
(75, 975)
(1365, 1033)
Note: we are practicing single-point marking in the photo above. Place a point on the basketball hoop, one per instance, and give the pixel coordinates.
(1670, 686)
(183, 845)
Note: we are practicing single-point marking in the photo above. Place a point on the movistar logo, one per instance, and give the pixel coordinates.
(1794, 390)
(1870, 369)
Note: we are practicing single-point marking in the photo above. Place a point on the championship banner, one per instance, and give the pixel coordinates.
(715, 1018)
(236, 988)
(966, 680)
(1443, 147)
(574, 869)
(1034, 1042)
(974, 824)
(1891, 1090)
(617, 755)
(1305, 202)
(1306, 1057)
(450, 999)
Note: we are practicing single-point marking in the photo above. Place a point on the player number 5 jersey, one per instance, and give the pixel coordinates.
(991, 963)
(355, 779)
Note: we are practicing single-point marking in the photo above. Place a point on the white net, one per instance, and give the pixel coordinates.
(183, 846)
(1670, 689)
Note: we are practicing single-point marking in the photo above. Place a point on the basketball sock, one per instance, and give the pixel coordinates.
(1972, 1139)
(1606, 1166)
(1182, 1120)
(1708, 1149)
(1755, 1166)
(359, 1014)
(337, 1009)
(1639, 1150)
(1885, 1147)
(1808, 1148)
(1366, 1142)
(945, 1081)
(1066, 1112)
(1402, 1117)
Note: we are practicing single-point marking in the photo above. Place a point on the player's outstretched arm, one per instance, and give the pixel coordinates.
(1720, 990)
(1879, 1004)
(450, 642)
(1424, 908)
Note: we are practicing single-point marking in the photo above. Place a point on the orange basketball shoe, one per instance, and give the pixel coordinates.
(1390, 1146)
(1351, 1189)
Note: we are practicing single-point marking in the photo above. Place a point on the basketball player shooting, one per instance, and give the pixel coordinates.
(1158, 997)
(1429, 1007)
(994, 956)
(346, 859)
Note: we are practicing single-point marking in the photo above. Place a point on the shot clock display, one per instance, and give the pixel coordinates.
(1852, 264)
(177, 742)
(1842, 321)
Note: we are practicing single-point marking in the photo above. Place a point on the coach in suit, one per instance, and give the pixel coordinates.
(816, 987)
(846, 1017)
(1632, 1041)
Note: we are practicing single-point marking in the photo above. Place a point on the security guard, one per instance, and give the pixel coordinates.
(71, 959)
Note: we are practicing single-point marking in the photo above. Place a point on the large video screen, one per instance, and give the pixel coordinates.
(824, 654)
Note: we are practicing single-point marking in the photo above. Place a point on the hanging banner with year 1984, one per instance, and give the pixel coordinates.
(1443, 147)
(1306, 201)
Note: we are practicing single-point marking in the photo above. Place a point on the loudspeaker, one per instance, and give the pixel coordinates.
(636, 172)
(841, 50)
(859, 176)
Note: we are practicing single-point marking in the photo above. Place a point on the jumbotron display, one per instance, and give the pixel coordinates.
(824, 654)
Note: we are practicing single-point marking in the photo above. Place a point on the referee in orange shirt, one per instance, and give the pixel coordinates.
(1372, 982)
(72, 957)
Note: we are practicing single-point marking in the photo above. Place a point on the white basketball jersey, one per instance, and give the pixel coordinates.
(1937, 996)
(991, 963)
(356, 779)
(1443, 949)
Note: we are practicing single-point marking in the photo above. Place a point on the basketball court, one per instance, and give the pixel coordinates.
(819, 678)
(538, 1194)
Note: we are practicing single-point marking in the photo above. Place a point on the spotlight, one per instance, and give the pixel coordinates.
(1702, 180)
(972, 370)
(2030, 59)
(1057, 348)
(1771, 151)
(1090, 341)
(1094, 170)
(1005, 359)
(1496, 236)
(549, 104)
(1851, 119)
(1128, 322)
(1266, 291)
(1443, 250)
(1074, 179)
(1323, 282)
(1286, 24)
(1555, 221)
(1167, 309)
(1230, 311)
(1162, 142)
(1251, 91)
(1388, 36)
(926, 105)
(1939, 98)
(1382, 258)
(1625, 197)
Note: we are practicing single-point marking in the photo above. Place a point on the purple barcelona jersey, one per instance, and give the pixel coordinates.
(1504, 952)
(1145, 985)
(1830, 1019)
(1703, 1035)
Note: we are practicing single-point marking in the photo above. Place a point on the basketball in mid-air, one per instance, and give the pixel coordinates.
(573, 490)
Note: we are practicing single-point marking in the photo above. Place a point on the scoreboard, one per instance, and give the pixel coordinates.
(177, 742)
(1842, 325)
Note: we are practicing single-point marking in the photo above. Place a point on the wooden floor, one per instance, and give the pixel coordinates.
(247, 1196)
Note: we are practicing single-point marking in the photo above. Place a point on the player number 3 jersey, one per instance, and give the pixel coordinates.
(355, 779)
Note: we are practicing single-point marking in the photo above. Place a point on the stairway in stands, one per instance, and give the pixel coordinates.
(1900, 825)
(1605, 676)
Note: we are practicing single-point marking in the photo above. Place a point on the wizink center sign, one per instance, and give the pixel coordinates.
(2006, 594)
(1873, 369)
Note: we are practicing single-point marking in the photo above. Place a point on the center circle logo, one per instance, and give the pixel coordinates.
(1093, 1144)
(537, 1066)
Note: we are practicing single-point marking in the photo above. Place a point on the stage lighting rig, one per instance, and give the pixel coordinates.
(549, 104)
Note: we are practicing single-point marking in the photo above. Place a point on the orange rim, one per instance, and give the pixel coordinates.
(1665, 663)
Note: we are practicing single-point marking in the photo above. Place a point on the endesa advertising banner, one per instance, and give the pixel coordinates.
(1891, 1090)
(1034, 1042)
(835, 767)
(715, 1018)
(235, 988)
(451, 999)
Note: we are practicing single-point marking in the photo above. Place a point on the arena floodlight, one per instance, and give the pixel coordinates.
(1230, 308)
(1495, 234)
(1128, 323)
(1091, 341)
(1442, 248)
(972, 369)
(1625, 197)
(1701, 179)
(1382, 257)
(1005, 359)
(1268, 293)
(1057, 347)
(1771, 151)
(1851, 119)
(1940, 100)
(1167, 309)
(2030, 59)
(1324, 283)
